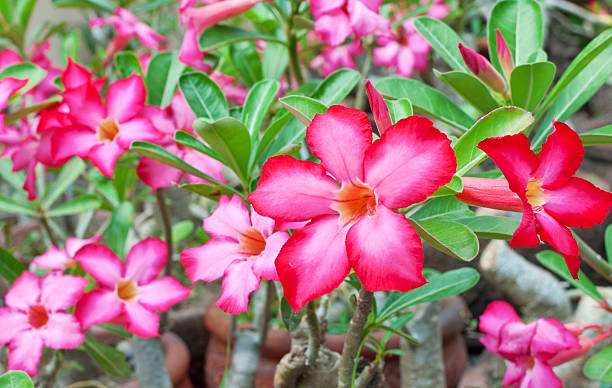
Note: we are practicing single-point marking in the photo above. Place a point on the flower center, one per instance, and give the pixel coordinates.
(37, 316)
(353, 201)
(534, 193)
(107, 130)
(127, 290)
(251, 242)
(529, 363)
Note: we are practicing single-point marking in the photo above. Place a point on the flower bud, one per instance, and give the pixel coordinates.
(483, 69)
(504, 55)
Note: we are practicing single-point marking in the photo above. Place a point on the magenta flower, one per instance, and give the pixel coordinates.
(60, 259)
(131, 290)
(350, 198)
(504, 55)
(242, 251)
(483, 69)
(176, 117)
(533, 348)
(35, 317)
(104, 131)
(333, 58)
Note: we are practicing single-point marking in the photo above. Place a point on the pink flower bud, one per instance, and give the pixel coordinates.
(504, 55)
(490, 193)
(209, 15)
(482, 68)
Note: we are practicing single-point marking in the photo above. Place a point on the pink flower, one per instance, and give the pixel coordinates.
(46, 88)
(350, 198)
(36, 317)
(504, 55)
(230, 90)
(104, 131)
(545, 186)
(8, 87)
(336, 20)
(176, 117)
(131, 289)
(533, 348)
(406, 50)
(128, 26)
(60, 259)
(190, 53)
(242, 251)
(483, 69)
(335, 57)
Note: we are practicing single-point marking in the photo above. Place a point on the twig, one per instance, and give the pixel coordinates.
(45, 224)
(294, 61)
(167, 225)
(594, 259)
(365, 73)
(87, 384)
(314, 334)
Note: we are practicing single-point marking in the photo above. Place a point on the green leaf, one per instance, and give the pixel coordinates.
(529, 83)
(16, 379)
(303, 108)
(6, 9)
(538, 56)
(23, 11)
(209, 191)
(500, 122)
(181, 230)
(188, 140)
(270, 135)
(599, 367)
(76, 205)
(443, 39)
(399, 109)
(116, 329)
(427, 100)
(10, 267)
(256, 105)
(245, 59)
(521, 24)
(442, 208)
(441, 286)
(230, 139)
(204, 96)
(25, 70)
(109, 359)
(127, 64)
(101, 5)
(216, 36)
(608, 242)
(471, 89)
(290, 319)
(21, 113)
(275, 60)
(597, 136)
(333, 89)
(117, 231)
(70, 46)
(455, 186)
(13, 178)
(8, 205)
(454, 239)
(491, 227)
(163, 74)
(556, 263)
(70, 172)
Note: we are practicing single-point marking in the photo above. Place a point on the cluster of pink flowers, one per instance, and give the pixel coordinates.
(35, 315)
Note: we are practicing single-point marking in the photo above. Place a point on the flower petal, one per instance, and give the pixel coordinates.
(11, 324)
(590, 205)
(264, 266)
(560, 238)
(340, 139)
(550, 338)
(73, 244)
(55, 259)
(410, 161)
(526, 234)
(63, 331)
(125, 98)
(543, 375)
(98, 306)
(495, 316)
(86, 107)
(379, 108)
(514, 375)
(141, 321)
(72, 141)
(24, 292)
(515, 341)
(204, 163)
(560, 158)
(162, 293)
(229, 219)
(59, 292)
(265, 225)
(386, 252)
(514, 157)
(293, 190)
(8, 87)
(209, 261)
(146, 260)
(138, 129)
(239, 281)
(156, 174)
(333, 28)
(313, 262)
(104, 156)
(101, 263)
(25, 352)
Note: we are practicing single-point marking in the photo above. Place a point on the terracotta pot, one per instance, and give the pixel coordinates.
(278, 343)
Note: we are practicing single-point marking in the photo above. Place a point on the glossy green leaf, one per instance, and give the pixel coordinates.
(127, 64)
(220, 35)
(162, 77)
(117, 231)
(290, 319)
(109, 359)
(116, 329)
(538, 56)
(13, 178)
(471, 89)
(101, 5)
(453, 187)
(441, 286)
(597, 136)
(491, 227)
(270, 135)
(16, 379)
(230, 139)
(442, 208)
(556, 263)
(426, 100)
(333, 89)
(204, 96)
(599, 367)
(454, 239)
(275, 60)
(23, 11)
(70, 172)
(500, 122)
(76, 205)
(399, 109)
(530, 82)
(10, 267)
(9, 205)
(303, 108)
(256, 105)
(25, 70)
(188, 140)
(443, 39)
(70, 46)
(522, 26)
(181, 230)
(213, 192)
(6, 10)
(245, 59)
(608, 242)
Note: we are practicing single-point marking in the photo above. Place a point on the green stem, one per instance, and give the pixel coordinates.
(294, 61)
(365, 73)
(167, 225)
(45, 224)
(594, 259)
(314, 334)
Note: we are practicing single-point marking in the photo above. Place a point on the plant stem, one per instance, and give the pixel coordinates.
(353, 338)
(167, 225)
(314, 334)
(45, 224)
(294, 61)
(594, 259)
(365, 73)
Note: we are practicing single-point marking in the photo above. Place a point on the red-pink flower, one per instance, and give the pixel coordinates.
(350, 198)
(8, 87)
(545, 186)
(60, 259)
(175, 117)
(242, 251)
(333, 58)
(482, 68)
(533, 348)
(131, 290)
(35, 317)
(104, 131)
